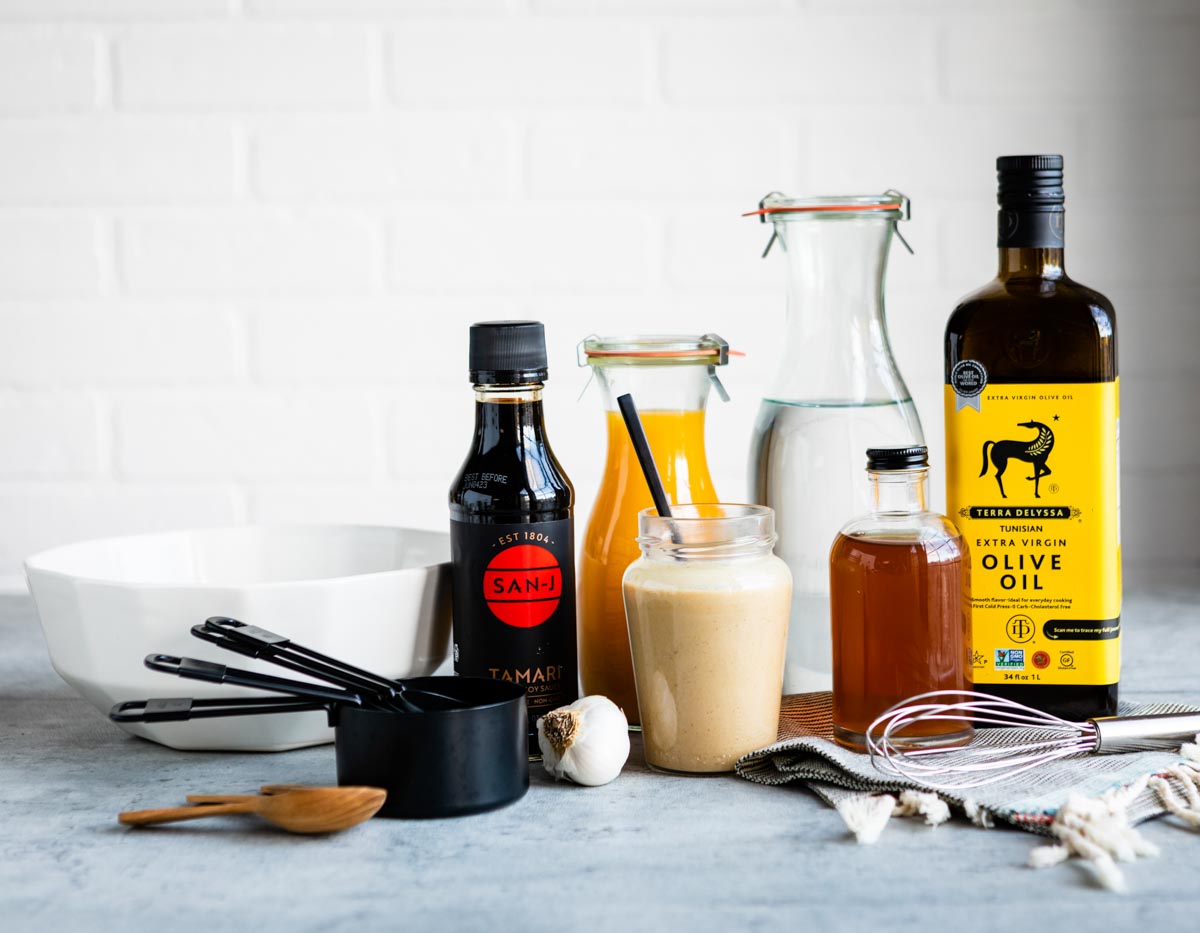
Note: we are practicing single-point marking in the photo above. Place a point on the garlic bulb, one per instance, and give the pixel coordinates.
(586, 742)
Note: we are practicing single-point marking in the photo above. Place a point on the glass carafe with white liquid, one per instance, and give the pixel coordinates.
(837, 392)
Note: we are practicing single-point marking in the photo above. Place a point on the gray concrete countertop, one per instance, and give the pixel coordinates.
(645, 852)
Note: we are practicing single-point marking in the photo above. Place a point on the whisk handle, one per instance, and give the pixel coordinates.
(1143, 733)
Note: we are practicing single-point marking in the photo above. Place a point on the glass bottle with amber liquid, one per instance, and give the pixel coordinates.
(1031, 407)
(899, 589)
(512, 540)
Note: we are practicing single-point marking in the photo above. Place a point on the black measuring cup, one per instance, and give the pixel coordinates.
(449, 762)
(465, 751)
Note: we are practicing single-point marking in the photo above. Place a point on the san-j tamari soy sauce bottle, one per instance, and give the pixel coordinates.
(1031, 442)
(511, 532)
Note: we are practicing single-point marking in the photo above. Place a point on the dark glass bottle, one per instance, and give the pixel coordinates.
(1031, 403)
(512, 537)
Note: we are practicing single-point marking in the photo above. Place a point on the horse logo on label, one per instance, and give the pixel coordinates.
(1035, 452)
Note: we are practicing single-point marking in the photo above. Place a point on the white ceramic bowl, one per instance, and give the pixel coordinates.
(376, 597)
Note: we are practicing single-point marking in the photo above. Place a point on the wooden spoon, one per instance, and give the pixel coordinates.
(306, 810)
(233, 798)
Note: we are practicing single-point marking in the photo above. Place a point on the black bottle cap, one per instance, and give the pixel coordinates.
(508, 353)
(1030, 182)
(882, 459)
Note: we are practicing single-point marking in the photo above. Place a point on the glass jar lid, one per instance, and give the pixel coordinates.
(655, 350)
(777, 206)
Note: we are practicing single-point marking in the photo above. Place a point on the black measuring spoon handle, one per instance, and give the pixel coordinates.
(273, 643)
(181, 709)
(279, 649)
(211, 672)
(229, 644)
(283, 654)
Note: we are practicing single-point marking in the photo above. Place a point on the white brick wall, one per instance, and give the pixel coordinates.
(459, 249)
(109, 159)
(384, 156)
(111, 9)
(519, 62)
(47, 253)
(248, 251)
(109, 344)
(43, 71)
(246, 436)
(242, 67)
(49, 436)
(851, 60)
(1124, 61)
(632, 156)
(241, 240)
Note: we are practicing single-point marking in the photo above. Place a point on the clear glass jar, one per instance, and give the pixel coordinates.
(707, 605)
(837, 392)
(900, 604)
(669, 378)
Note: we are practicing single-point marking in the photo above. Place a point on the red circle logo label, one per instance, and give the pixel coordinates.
(523, 585)
(1041, 660)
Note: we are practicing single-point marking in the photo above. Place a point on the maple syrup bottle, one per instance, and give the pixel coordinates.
(1031, 407)
(899, 588)
(512, 539)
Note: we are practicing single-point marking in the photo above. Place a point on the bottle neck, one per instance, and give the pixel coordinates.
(1031, 262)
(1030, 239)
(837, 345)
(509, 415)
(670, 400)
(668, 387)
(899, 492)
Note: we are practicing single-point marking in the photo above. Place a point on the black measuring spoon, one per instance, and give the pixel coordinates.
(180, 709)
(383, 698)
(278, 649)
(213, 673)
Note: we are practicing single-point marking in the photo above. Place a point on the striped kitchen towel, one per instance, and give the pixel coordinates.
(806, 752)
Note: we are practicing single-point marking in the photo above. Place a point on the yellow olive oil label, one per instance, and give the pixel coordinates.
(1032, 484)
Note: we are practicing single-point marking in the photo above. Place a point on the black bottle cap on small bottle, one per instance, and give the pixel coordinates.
(508, 353)
(883, 459)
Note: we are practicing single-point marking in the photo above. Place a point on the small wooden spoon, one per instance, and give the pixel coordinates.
(306, 810)
(233, 798)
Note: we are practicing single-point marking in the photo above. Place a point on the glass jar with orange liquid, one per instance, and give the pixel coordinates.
(669, 378)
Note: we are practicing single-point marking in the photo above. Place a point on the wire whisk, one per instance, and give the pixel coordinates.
(1000, 754)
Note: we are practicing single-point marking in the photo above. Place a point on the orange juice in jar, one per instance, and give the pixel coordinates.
(669, 378)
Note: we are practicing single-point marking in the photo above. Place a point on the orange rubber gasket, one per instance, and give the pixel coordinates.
(712, 351)
(824, 207)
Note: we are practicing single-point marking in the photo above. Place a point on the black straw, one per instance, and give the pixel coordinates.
(641, 446)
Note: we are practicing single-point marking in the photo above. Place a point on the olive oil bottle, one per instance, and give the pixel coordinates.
(1032, 432)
